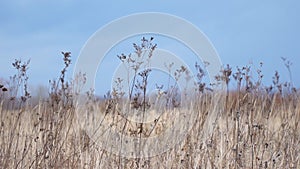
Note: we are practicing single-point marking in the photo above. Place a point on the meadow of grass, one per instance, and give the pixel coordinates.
(254, 126)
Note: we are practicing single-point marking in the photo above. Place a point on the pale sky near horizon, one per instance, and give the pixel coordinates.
(241, 32)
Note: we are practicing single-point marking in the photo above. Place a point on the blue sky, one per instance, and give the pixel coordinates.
(242, 32)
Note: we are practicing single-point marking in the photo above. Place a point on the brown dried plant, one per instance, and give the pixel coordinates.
(258, 128)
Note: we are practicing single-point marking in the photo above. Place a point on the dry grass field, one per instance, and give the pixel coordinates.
(252, 126)
(264, 134)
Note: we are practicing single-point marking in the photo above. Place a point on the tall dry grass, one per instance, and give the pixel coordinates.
(253, 127)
